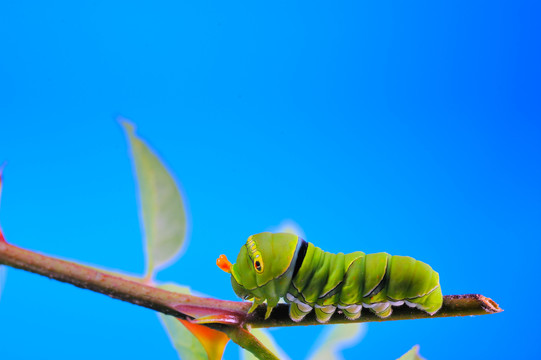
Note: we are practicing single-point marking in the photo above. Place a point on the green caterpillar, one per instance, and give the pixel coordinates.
(273, 266)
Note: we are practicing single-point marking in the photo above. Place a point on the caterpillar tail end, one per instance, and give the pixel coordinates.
(433, 302)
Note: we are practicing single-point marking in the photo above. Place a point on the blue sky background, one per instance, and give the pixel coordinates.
(412, 128)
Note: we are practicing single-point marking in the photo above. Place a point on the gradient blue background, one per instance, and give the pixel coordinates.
(407, 127)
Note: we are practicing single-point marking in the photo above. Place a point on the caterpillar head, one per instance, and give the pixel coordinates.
(264, 267)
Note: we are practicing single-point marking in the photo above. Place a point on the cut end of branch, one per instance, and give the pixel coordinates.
(461, 302)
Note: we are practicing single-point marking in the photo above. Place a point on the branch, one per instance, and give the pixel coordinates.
(115, 286)
(231, 313)
(453, 305)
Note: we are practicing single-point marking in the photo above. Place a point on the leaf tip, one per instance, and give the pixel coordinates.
(128, 126)
(412, 354)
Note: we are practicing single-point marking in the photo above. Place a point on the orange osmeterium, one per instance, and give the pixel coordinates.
(224, 264)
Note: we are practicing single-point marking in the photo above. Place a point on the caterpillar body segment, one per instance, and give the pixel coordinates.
(273, 266)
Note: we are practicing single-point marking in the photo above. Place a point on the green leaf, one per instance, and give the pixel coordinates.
(266, 339)
(162, 208)
(336, 338)
(413, 354)
(186, 344)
